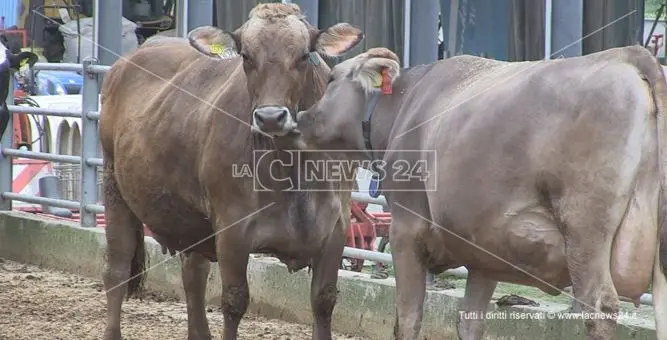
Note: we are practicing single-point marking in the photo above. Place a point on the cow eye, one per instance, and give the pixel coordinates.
(247, 62)
(305, 57)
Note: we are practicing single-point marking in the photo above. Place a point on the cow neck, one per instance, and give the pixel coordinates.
(400, 86)
(374, 189)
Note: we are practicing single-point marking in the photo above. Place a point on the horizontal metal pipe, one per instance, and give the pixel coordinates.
(67, 204)
(365, 198)
(457, 272)
(363, 254)
(99, 68)
(645, 299)
(59, 67)
(71, 67)
(95, 208)
(95, 161)
(93, 115)
(357, 253)
(45, 111)
(42, 156)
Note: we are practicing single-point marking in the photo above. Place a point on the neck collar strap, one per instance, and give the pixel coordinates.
(374, 187)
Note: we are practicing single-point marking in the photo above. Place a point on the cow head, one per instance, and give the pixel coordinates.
(9, 61)
(280, 51)
(334, 122)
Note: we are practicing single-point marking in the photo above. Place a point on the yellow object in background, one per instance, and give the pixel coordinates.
(24, 17)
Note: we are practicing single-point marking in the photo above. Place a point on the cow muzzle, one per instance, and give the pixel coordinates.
(273, 120)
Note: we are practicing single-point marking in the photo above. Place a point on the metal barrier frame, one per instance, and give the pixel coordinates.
(89, 159)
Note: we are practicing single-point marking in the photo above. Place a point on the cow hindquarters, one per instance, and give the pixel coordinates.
(124, 267)
(589, 231)
(660, 262)
(479, 290)
(195, 270)
(635, 241)
(323, 290)
(659, 298)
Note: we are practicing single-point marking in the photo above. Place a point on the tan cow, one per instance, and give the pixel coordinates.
(176, 137)
(547, 173)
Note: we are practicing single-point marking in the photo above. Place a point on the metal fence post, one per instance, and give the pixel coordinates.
(89, 143)
(7, 143)
(199, 14)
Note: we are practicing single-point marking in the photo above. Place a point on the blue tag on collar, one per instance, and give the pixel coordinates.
(314, 59)
(374, 186)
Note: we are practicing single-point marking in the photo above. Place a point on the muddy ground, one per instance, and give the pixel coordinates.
(46, 304)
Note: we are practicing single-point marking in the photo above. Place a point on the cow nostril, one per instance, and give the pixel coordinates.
(282, 115)
(258, 117)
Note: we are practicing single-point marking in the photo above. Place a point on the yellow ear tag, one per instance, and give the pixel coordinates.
(23, 62)
(377, 80)
(217, 49)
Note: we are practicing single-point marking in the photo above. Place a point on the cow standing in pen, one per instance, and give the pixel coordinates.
(548, 174)
(176, 121)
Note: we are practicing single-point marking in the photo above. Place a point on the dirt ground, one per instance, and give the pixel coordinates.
(45, 304)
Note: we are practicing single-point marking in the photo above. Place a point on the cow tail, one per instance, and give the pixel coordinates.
(662, 158)
(656, 79)
(655, 75)
(135, 284)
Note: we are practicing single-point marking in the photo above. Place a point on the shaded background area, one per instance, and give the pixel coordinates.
(499, 29)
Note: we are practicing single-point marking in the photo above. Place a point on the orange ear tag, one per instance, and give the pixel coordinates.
(386, 82)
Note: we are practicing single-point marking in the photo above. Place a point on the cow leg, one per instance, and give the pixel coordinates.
(479, 289)
(588, 240)
(124, 253)
(233, 263)
(323, 290)
(195, 274)
(659, 288)
(410, 274)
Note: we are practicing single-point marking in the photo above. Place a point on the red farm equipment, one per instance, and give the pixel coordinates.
(365, 228)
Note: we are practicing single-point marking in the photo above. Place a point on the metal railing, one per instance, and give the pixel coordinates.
(87, 189)
(85, 194)
(69, 181)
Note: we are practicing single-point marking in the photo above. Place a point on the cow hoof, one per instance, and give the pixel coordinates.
(198, 337)
(112, 334)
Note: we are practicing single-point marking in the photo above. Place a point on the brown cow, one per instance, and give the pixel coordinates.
(175, 130)
(548, 174)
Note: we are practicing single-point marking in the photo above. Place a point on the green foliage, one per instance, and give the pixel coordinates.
(651, 7)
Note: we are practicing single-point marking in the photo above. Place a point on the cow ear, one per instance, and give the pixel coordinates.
(16, 61)
(378, 70)
(337, 39)
(214, 42)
